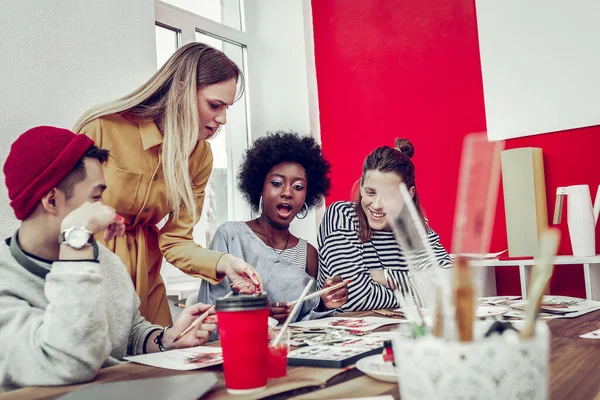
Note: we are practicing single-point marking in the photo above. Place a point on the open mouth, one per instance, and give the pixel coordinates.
(210, 130)
(284, 210)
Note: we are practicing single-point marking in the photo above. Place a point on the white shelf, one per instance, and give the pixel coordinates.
(591, 270)
(558, 260)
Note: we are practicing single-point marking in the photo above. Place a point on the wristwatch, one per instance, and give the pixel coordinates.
(76, 237)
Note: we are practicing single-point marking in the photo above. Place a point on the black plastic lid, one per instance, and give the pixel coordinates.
(387, 344)
(243, 302)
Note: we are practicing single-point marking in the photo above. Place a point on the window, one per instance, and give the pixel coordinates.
(226, 12)
(167, 41)
(181, 22)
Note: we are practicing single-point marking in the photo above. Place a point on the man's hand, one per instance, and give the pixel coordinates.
(95, 217)
(197, 336)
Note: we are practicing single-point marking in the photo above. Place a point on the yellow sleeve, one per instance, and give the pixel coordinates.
(176, 241)
(93, 130)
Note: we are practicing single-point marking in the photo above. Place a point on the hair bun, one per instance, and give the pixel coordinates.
(404, 146)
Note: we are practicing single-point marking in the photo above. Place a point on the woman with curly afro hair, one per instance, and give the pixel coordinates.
(282, 177)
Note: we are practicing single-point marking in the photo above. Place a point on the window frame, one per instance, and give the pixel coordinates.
(186, 24)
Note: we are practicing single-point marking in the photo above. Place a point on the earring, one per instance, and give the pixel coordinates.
(303, 212)
(260, 206)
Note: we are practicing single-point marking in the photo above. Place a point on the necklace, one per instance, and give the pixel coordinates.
(269, 240)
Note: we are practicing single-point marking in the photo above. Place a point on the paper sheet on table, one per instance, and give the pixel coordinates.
(354, 324)
(182, 359)
(520, 314)
(580, 313)
(591, 335)
(562, 305)
(494, 300)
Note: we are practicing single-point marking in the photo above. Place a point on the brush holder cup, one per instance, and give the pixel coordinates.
(498, 367)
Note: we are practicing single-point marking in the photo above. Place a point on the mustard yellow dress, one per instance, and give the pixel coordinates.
(136, 189)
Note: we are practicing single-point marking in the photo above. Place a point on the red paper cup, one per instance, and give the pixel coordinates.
(244, 334)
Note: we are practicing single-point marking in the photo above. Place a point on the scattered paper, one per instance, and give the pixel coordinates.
(385, 335)
(520, 314)
(182, 359)
(579, 313)
(495, 300)
(482, 311)
(353, 324)
(591, 335)
(562, 305)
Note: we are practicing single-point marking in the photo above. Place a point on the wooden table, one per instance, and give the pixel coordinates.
(575, 373)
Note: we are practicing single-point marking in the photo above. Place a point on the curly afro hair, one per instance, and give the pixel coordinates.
(276, 147)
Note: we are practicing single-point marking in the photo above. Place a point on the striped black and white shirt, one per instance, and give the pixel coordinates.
(342, 253)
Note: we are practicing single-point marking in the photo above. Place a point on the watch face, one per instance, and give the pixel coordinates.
(77, 238)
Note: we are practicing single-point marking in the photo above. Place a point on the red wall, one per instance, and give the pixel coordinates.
(410, 68)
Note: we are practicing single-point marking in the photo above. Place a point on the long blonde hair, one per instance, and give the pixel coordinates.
(169, 100)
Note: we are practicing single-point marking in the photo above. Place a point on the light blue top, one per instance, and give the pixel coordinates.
(282, 279)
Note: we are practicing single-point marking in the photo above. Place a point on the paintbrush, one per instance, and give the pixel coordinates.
(198, 320)
(323, 291)
(464, 299)
(542, 271)
(438, 318)
(293, 313)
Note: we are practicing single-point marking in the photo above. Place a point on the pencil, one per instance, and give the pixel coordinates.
(180, 305)
(197, 321)
(322, 291)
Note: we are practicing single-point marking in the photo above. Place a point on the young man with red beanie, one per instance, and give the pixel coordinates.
(67, 304)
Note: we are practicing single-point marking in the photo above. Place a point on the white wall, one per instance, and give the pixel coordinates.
(283, 91)
(59, 58)
(539, 62)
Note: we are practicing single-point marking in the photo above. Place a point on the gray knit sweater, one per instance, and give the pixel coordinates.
(62, 329)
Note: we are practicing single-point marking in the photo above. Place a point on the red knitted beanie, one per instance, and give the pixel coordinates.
(38, 161)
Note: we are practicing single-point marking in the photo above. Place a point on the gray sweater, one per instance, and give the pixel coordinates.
(282, 280)
(62, 329)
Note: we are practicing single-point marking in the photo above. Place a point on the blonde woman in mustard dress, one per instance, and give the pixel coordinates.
(160, 164)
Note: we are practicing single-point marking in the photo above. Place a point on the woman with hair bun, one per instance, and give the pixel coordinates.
(282, 177)
(159, 166)
(355, 238)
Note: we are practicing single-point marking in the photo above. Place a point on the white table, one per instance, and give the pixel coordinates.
(591, 270)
